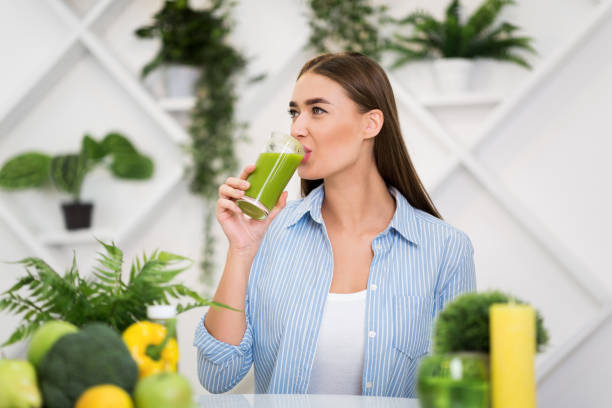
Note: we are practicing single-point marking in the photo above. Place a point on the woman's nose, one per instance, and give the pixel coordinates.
(298, 128)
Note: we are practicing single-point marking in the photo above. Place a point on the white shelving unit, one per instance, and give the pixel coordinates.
(460, 100)
(83, 41)
(85, 236)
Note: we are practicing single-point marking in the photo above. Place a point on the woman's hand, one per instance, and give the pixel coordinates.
(244, 234)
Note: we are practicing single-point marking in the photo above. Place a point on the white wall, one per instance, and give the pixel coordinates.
(521, 170)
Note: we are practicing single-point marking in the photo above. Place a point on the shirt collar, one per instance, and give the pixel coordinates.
(403, 221)
(310, 204)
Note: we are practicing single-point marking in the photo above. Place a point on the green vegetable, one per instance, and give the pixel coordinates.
(95, 355)
(463, 325)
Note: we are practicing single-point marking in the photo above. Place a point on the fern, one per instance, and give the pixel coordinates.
(43, 294)
(452, 38)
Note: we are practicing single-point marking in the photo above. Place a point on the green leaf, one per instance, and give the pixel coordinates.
(68, 172)
(169, 257)
(132, 166)
(486, 14)
(92, 150)
(27, 170)
(114, 143)
(453, 10)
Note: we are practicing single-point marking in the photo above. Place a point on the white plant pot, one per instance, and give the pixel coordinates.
(452, 75)
(180, 80)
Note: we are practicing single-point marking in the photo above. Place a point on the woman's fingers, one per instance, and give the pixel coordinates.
(246, 171)
(237, 183)
(225, 204)
(226, 191)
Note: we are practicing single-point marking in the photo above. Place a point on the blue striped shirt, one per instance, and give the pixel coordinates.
(420, 263)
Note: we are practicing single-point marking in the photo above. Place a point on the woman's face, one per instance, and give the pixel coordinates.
(327, 123)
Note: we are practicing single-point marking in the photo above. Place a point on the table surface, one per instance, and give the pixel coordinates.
(302, 401)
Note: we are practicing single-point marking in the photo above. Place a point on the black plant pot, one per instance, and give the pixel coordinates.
(77, 215)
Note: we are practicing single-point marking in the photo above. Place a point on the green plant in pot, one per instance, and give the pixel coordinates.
(351, 26)
(453, 43)
(198, 38)
(66, 172)
(457, 373)
(107, 295)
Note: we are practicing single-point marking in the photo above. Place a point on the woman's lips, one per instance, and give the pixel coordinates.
(306, 156)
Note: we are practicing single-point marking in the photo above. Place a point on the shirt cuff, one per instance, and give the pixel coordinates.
(217, 351)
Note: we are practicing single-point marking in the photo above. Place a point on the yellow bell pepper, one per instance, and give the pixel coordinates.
(152, 347)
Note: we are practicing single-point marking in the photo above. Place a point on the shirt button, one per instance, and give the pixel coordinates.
(368, 385)
(373, 286)
(372, 334)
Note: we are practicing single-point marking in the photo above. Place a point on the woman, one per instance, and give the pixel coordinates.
(340, 288)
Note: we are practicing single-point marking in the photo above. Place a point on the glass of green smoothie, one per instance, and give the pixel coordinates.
(273, 170)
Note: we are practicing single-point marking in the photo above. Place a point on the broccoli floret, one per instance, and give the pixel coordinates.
(94, 355)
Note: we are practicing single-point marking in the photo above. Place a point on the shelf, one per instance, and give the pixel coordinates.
(85, 236)
(178, 104)
(460, 99)
(187, 103)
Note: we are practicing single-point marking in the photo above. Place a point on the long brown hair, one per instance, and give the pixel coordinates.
(368, 86)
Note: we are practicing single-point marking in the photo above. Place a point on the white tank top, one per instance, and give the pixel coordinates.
(338, 363)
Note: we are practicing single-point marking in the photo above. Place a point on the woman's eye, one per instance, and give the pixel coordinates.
(317, 111)
(293, 113)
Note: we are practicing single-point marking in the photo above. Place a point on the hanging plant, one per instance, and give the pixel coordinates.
(198, 38)
(340, 25)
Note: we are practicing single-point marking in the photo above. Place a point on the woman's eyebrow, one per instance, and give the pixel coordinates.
(311, 101)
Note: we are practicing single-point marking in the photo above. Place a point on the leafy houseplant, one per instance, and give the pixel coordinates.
(42, 294)
(456, 41)
(464, 324)
(339, 25)
(67, 171)
(198, 38)
(458, 371)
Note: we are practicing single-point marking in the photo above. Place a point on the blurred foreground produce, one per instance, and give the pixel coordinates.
(45, 337)
(153, 347)
(164, 390)
(18, 387)
(93, 356)
(104, 396)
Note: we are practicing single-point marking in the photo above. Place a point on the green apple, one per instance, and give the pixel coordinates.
(18, 387)
(45, 336)
(163, 390)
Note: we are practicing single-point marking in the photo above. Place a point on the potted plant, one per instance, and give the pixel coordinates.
(352, 26)
(454, 43)
(199, 39)
(189, 41)
(67, 172)
(108, 296)
(458, 370)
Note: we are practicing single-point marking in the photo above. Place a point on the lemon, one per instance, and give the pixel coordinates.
(104, 396)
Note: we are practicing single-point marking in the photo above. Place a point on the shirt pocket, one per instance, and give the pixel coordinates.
(412, 324)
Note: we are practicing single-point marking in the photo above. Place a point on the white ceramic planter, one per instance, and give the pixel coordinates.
(180, 80)
(452, 75)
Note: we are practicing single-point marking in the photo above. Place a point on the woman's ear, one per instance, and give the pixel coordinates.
(373, 122)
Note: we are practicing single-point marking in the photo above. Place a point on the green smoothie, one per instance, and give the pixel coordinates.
(447, 393)
(272, 173)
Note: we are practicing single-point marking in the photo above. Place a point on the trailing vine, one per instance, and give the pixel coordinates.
(198, 38)
(341, 25)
